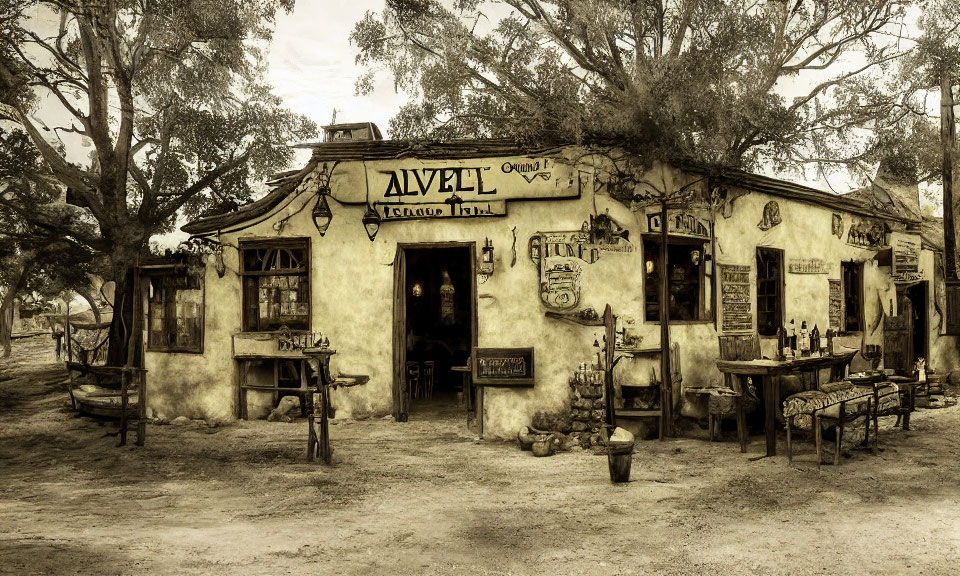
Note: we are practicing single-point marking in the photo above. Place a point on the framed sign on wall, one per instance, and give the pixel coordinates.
(511, 367)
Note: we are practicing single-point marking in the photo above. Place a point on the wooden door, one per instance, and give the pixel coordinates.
(898, 337)
(401, 390)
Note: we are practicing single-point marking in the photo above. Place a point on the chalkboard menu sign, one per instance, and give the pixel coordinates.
(503, 367)
(836, 304)
(735, 310)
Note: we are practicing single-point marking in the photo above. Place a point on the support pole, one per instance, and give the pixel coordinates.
(666, 387)
(948, 140)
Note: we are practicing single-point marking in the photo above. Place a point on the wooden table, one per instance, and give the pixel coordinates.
(769, 372)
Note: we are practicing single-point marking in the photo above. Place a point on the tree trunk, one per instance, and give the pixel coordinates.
(948, 140)
(6, 322)
(122, 325)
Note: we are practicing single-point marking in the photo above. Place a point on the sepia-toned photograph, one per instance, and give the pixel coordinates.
(479, 287)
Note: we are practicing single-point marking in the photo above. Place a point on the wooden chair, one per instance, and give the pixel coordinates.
(736, 348)
(413, 379)
(426, 378)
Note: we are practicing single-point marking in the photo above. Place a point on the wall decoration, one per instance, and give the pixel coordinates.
(681, 223)
(722, 198)
(867, 232)
(809, 266)
(837, 225)
(513, 248)
(905, 249)
(835, 306)
(735, 301)
(771, 216)
(560, 257)
(503, 367)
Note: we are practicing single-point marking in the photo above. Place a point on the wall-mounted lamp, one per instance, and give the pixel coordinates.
(417, 290)
(650, 266)
(695, 257)
(218, 262)
(486, 258)
(371, 222)
(321, 210)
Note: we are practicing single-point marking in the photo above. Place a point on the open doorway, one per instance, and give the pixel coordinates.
(436, 292)
(917, 293)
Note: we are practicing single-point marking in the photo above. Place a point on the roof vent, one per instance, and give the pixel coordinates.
(351, 132)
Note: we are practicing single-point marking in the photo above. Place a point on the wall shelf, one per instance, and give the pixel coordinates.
(573, 319)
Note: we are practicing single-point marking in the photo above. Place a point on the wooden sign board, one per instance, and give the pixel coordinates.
(906, 255)
(735, 303)
(512, 367)
(836, 305)
(808, 266)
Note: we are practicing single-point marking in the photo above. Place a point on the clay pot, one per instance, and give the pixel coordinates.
(543, 447)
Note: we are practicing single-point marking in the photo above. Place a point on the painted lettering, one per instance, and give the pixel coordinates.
(419, 181)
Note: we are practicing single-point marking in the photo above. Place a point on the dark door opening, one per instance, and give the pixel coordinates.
(438, 324)
(918, 299)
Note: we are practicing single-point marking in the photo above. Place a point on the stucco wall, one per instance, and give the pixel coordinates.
(352, 288)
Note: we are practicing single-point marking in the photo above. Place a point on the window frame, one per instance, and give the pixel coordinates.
(703, 315)
(169, 275)
(780, 297)
(858, 268)
(298, 242)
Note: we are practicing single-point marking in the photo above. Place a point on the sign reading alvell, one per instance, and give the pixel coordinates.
(421, 189)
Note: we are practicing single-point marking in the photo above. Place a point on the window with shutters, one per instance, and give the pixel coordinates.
(175, 312)
(276, 285)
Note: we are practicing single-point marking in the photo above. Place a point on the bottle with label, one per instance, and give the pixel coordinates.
(781, 343)
(792, 335)
(804, 344)
(815, 340)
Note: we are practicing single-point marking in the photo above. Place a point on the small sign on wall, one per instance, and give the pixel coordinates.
(511, 367)
(836, 304)
(808, 266)
(736, 312)
(906, 257)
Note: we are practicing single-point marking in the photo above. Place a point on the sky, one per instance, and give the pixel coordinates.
(311, 64)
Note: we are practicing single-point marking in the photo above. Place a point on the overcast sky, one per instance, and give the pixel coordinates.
(312, 64)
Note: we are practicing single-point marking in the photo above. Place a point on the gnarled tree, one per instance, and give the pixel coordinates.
(168, 95)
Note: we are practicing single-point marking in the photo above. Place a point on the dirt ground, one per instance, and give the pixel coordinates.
(425, 497)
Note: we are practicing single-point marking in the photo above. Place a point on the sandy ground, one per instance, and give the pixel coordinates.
(426, 498)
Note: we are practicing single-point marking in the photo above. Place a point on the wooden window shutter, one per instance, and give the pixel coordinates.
(953, 308)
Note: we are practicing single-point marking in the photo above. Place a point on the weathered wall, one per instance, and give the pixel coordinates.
(352, 288)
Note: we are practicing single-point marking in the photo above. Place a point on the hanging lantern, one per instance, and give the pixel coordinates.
(371, 222)
(486, 258)
(321, 210)
(218, 262)
(322, 214)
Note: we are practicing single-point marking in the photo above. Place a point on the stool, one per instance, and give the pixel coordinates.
(426, 378)
(413, 379)
(723, 402)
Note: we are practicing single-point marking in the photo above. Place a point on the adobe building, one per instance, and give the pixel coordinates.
(414, 259)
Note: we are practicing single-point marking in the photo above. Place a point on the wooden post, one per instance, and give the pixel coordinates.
(123, 406)
(609, 324)
(948, 140)
(666, 386)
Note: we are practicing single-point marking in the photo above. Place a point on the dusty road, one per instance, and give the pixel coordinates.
(424, 498)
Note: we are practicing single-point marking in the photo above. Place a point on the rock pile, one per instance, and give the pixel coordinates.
(586, 406)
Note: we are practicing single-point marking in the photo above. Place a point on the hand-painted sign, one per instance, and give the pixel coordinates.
(735, 301)
(808, 266)
(835, 305)
(402, 211)
(682, 223)
(503, 367)
(906, 254)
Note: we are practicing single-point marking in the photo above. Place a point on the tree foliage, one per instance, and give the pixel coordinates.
(168, 95)
(727, 83)
(35, 258)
